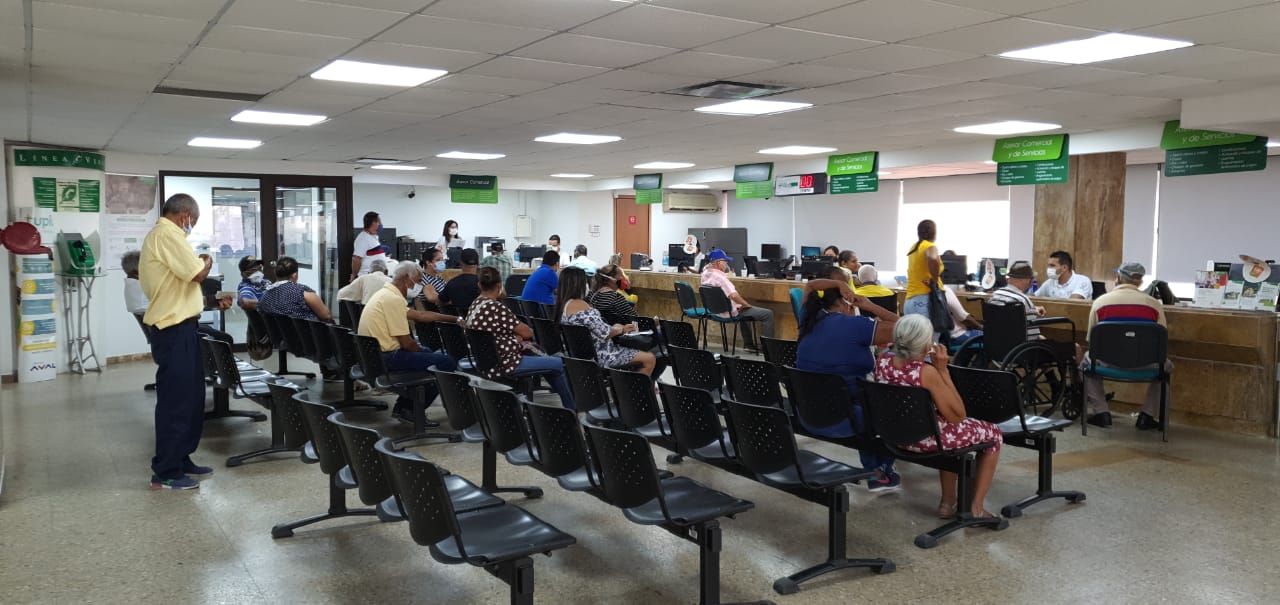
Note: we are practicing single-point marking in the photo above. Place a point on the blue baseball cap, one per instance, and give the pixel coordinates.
(718, 254)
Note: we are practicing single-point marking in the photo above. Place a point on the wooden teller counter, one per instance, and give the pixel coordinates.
(657, 298)
(1224, 374)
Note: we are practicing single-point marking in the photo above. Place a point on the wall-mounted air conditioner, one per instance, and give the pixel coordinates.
(690, 202)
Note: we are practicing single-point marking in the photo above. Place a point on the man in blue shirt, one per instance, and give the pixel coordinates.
(253, 283)
(541, 287)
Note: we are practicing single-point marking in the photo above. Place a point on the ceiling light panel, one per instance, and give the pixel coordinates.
(1008, 127)
(277, 118)
(753, 107)
(360, 72)
(1098, 48)
(578, 139)
(467, 155)
(663, 165)
(224, 143)
(797, 150)
(572, 175)
(689, 186)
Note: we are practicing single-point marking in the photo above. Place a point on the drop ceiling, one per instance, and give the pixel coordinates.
(882, 74)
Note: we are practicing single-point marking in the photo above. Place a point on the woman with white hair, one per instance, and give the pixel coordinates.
(913, 360)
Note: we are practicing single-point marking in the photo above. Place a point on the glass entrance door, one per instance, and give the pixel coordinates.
(306, 225)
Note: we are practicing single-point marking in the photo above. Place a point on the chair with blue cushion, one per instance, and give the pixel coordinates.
(689, 305)
(797, 302)
(1132, 351)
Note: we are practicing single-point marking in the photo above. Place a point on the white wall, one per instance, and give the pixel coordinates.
(866, 223)
(1216, 217)
(1140, 188)
(768, 221)
(8, 296)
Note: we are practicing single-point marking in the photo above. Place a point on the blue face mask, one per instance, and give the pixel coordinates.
(379, 228)
(440, 265)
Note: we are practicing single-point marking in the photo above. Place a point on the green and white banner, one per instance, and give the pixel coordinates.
(67, 195)
(753, 180)
(1190, 152)
(648, 188)
(854, 172)
(1033, 160)
(468, 189)
(61, 158)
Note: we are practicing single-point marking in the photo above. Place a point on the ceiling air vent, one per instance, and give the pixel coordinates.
(208, 94)
(724, 89)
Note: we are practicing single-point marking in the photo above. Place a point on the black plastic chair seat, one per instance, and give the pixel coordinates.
(466, 496)
(500, 534)
(473, 434)
(688, 503)
(254, 389)
(404, 380)
(951, 453)
(520, 456)
(713, 451)
(820, 472)
(576, 481)
(309, 454)
(346, 479)
(654, 430)
(1035, 425)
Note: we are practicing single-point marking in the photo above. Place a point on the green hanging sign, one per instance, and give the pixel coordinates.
(649, 196)
(755, 190)
(854, 172)
(470, 189)
(1177, 137)
(648, 188)
(60, 158)
(753, 181)
(1033, 160)
(1241, 157)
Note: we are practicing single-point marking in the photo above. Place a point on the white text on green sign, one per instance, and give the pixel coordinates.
(852, 163)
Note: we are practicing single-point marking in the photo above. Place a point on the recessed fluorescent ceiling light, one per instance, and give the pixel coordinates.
(397, 167)
(279, 118)
(376, 73)
(572, 175)
(753, 107)
(377, 161)
(1098, 48)
(990, 162)
(663, 165)
(467, 155)
(797, 150)
(689, 186)
(1273, 143)
(578, 139)
(883, 173)
(227, 143)
(1008, 127)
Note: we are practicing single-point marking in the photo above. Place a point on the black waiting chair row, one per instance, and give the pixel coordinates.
(233, 379)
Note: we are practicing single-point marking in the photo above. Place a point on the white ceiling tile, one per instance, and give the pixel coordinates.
(434, 101)
(199, 10)
(894, 57)
(547, 14)
(786, 45)
(666, 27)
(885, 84)
(533, 69)
(590, 50)
(1267, 44)
(1140, 85)
(114, 24)
(305, 102)
(893, 20)
(1002, 36)
(968, 91)
(111, 55)
(1010, 7)
(416, 56)
(221, 60)
(578, 92)
(404, 6)
(982, 68)
(705, 65)
(1068, 76)
(1222, 27)
(458, 34)
(311, 17)
(1040, 98)
(476, 83)
(807, 76)
(634, 79)
(1110, 15)
(1259, 66)
(275, 42)
(1183, 58)
(665, 101)
(762, 11)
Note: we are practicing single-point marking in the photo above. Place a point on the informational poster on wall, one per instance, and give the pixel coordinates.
(37, 318)
(79, 195)
(130, 212)
(1211, 285)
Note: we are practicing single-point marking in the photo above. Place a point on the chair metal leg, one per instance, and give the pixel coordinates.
(420, 425)
(349, 397)
(1164, 411)
(489, 476)
(837, 516)
(964, 510)
(1045, 447)
(222, 408)
(518, 574)
(708, 538)
(150, 386)
(284, 368)
(277, 444)
(337, 509)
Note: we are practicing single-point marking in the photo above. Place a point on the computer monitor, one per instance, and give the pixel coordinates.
(955, 269)
(484, 241)
(453, 257)
(677, 255)
(767, 268)
(1099, 288)
(810, 251)
(528, 254)
(750, 262)
(1000, 265)
(771, 251)
(812, 269)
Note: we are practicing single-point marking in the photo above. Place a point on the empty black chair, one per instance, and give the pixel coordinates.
(429, 335)
(548, 336)
(221, 368)
(351, 311)
(823, 402)
(903, 415)
(1131, 351)
(779, 352)
(502, 418)
(888, 303)
(638, 406)
(767, 445)
(695, 423)
(578, 341)
(458, 393)
(413, 384)
(484, 351)
(327, 446)
(679, 334)
(346, 362)
(533, 309)
(310, 348)
(697, 368)
(499, 538)
(513, 305)
(679, 505)
(514, 285)
(720, 311)
(292, 424)
(454, 340)
(282, 439)
(753, 381)
(590, 391)
(562, 454)
(270, 327)
(993, 395)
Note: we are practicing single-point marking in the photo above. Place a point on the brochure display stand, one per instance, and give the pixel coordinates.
(37, 318)
(1249, 286)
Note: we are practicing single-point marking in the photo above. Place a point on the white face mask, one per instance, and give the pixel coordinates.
(453, 231)
(256, 277)
(1051, 272)
(414, 291)
(187, 228)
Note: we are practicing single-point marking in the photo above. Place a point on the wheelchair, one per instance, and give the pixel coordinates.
(1047, 370)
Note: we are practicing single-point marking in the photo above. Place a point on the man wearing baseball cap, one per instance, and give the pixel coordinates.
(1018, 280)
(715, 275)
(252, 283)
(498, 260)
(1125, 303)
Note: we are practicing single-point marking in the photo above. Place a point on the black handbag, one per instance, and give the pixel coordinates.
(939, 316)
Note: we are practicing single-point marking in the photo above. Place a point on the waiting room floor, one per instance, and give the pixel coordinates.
(1191, 521)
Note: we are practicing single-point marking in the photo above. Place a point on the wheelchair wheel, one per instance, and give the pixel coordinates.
(1044, 379)
(970, 354)
(1073, 404)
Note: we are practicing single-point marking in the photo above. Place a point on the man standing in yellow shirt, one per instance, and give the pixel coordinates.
(171, 273)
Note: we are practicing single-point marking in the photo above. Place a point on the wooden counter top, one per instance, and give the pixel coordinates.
(657, 298)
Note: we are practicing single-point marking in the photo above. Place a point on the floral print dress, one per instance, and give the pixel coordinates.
(609, 354)
(963, 434)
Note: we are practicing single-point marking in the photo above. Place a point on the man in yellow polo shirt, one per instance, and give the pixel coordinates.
(171, 273)
(386, 318)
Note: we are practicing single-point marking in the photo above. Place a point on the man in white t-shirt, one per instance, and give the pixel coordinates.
(1062, 281)
(367, 247)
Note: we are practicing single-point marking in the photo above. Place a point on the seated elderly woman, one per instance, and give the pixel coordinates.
(287, 297)
(488, 314)
(834, 340)
(607, 295)
(572, 309)
(914, 360)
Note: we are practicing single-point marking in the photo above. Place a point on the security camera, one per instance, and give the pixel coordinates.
(412, 193)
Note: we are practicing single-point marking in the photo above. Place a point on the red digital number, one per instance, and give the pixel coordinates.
(806, 181)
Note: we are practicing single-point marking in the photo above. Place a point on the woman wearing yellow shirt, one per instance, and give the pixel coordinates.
(924, 268)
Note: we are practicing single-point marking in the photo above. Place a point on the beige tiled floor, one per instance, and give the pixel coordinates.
(1192, 521)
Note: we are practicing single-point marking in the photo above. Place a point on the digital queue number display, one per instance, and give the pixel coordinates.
(800, 184)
